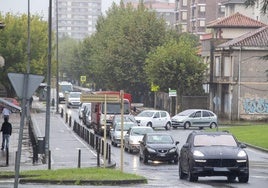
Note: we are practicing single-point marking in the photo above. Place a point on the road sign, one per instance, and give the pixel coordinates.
(99, 98)
(17, 81)
(172, 93)
(83, 78)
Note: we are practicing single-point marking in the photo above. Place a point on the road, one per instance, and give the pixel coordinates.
(164, 174)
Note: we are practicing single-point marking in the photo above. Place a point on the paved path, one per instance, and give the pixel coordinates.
(64, 144)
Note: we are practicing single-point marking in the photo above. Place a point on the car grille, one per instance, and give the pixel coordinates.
(162, 150)
(220, 163)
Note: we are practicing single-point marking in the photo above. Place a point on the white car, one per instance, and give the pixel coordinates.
(73, 99)
(154, 119)
(133, 137)
(195, 118)
(82, 109)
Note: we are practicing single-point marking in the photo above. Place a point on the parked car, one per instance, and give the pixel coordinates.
(133, 137)
(154, 119)
(213, 154)
(87, 117)
(73, 100)
(158, 147)
(195, 118)
(115, 131)
(82, 107)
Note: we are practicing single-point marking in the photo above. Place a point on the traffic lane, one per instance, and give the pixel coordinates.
(167, 174)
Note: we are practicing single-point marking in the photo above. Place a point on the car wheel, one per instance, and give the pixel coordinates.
(191, 176)
(168, 125)
(187, 125)
(213, 125)
(176, 160)
(149, 124)
(145, 159)
(243, 178)
(231, 178)
(181, 173)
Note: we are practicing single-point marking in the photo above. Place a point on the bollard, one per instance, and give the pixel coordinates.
(7, 157)
(70, 121)
(66, 118)
(49, 159)
(98, 157)
(61, 113)
(109, 155)
(79, 158)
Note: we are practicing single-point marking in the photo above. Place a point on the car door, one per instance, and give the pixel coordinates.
(206, 118)
(196, 119)
(184, 154)
(156, 120)
(164, 118)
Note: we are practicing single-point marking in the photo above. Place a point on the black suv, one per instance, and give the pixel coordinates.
(213, 154)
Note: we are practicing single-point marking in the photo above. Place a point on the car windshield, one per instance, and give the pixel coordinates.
(146, 114)
(156, 139)
(186, 113)
(127, 126)
(125, 119)
(140, 131)
(74, 95)
(115, 108)
(214, 140)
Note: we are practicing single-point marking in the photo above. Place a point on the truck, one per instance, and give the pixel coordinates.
(112, 108)
(64, 88)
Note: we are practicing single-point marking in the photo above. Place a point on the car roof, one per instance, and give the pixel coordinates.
(211, 133)
(157, 133)
(154, 111)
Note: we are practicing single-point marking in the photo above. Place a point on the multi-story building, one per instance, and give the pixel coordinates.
(76, 18)
(195, 14)
(166, 9)
(254, 12)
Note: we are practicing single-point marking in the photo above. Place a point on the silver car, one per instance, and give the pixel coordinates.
(133, 137)
(195, 118)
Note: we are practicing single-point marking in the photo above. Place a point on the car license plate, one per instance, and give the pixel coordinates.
(220, 169)
(162, 155)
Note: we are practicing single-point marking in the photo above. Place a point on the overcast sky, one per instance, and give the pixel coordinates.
(37, 6)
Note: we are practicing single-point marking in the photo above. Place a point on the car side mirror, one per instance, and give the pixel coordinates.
(186, 145)
(177, 142)
(241, 145)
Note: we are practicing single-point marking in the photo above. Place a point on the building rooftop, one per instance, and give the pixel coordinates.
(256, 38)
(236, 20)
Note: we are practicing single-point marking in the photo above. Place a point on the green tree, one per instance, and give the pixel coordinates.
(123, 39)
(14, 43)
(67, 48)
(176, 65)
(264, 4)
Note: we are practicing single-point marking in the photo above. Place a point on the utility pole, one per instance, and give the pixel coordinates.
(47, 128)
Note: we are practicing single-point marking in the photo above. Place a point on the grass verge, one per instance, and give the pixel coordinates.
(251, 134)
(78, 175)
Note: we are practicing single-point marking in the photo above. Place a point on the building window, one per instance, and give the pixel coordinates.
(202, 23)
(227, 71)
(184, 16)
(184, 2)
(217, 66)
(202, 8)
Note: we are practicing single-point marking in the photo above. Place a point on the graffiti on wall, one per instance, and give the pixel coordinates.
(255, 106)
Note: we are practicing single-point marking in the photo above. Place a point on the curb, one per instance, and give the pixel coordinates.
(83, 182)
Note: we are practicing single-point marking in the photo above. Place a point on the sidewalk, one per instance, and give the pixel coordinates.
(64, 144)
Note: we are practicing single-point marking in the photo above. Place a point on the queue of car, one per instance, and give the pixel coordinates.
(203, 154)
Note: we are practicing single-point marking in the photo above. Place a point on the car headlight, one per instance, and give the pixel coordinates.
(198, 153)
(242, 153)
(151, 150)
(172, 150)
